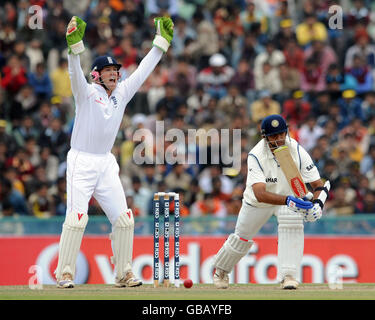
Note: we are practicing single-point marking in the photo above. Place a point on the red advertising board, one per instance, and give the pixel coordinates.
(25, 259)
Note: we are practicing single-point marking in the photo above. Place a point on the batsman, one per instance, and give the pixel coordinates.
(92, 170)
(274, 187)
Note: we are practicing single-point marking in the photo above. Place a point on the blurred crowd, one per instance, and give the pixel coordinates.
(231, 63)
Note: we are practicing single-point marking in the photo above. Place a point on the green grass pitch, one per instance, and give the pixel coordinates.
(364, 291)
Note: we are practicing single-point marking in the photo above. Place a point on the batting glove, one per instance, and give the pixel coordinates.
(298, 205)
(164, 33)
(313, 214)
(74, 35)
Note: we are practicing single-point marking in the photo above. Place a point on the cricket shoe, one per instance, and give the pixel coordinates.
(221, 279)
(66, 281)
(128, 281)
(289, 283)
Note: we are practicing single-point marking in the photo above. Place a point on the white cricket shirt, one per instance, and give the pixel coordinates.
(263, 167)
(97, 116)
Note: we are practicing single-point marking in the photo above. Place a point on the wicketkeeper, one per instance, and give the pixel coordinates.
(92, 169)
(268, 193)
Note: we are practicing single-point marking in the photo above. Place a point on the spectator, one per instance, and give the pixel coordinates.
(183, 76)
(43, 117)
(322, 53)
(208, 206)
(25, 102)
(26, 130)
(178, 178)
(331, 171)
(217, 76)
(21, 162)
(13, 76)
(309, 30)
(350, 107)
(339, 205)
(368, 106)
(309, 133)
(244, 79)
(13, 176)
(273, 56)
(250, 48)
(338, 81)
(171, 99)
(359, 132)
(362, 48)
(362, 74)
(60, 81)
(141, 196)
(161, 8)
(285, 32)
(230, 104)
(55, 138)
(294, 55)
(58, 193)
(254, 16)
(7, 138)
(19, 49)
(264, 107)
(126, 54)
(217, 190)
(198, 99)
(13, 197)
(206, 44)
(182, 36)
(50, 162)
(41, 82)
(211, 115)
(312, 77)
(290, 79)
(41, 203)
(368, 161)
(367, 204)
(358, 14)
(268, 79)
(154, 86)
(207, 176)
(35, 54)
(296, 110)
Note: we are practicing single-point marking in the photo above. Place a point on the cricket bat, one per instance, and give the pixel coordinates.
(290, 170)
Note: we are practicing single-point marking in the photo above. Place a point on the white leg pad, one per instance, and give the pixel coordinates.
(122, 237)
(231, 252)
(290, 243)
(70, 243)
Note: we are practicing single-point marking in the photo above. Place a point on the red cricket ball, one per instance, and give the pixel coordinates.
(188, 283)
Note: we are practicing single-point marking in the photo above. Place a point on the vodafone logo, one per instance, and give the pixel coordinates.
(47, 262)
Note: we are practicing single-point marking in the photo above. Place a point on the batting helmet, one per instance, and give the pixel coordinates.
(273, 124)
(100, 63)
(104, 61)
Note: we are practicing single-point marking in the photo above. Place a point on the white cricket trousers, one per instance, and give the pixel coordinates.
(94, 175)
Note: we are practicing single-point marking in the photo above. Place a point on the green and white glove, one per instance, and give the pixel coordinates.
(164, 33)
(74, 35)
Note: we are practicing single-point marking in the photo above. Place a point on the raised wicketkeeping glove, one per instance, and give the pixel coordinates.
(298, 205)
(313, 214)
(164, 33)
(74, 35)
